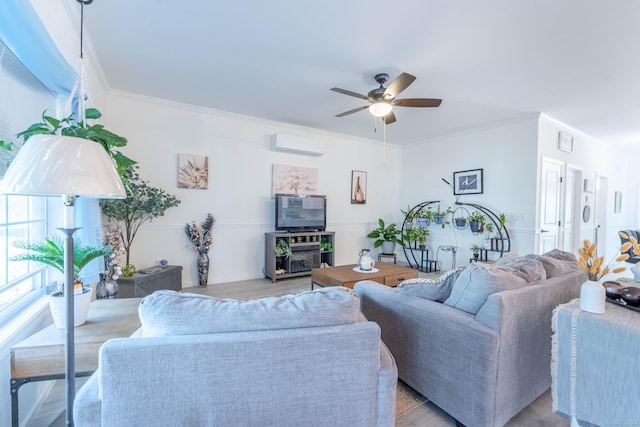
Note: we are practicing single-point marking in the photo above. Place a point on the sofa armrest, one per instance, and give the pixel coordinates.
(87, 407)
(387, 387)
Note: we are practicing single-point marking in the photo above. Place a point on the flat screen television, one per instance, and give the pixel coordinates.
(301, 212)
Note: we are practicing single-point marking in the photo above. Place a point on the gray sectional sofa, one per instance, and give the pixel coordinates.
(483, 354)
(306, 359)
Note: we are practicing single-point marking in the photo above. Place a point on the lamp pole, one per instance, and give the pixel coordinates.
(69, 293)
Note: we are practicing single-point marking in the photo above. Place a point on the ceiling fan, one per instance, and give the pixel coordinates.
(384, 99)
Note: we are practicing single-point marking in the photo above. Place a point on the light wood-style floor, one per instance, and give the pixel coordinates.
(539, 413)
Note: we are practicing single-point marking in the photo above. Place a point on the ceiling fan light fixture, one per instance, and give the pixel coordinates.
(380, 109)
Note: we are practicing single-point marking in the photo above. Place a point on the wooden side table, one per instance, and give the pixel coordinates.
(382, 256)
(41, 356)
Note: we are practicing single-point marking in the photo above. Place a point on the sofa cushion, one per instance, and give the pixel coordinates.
(172, 313)
(477, 282)
(554, 267)
(434, 290)
(529, 269)
(561, 255)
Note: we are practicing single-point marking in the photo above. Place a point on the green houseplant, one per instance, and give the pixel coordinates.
(50, 252)
(68, 126)
(386, 236)
(439, 217)
(282, 249)
(143, 204)
(475, 250)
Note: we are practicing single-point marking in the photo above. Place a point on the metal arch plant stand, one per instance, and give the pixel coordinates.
(408, 253)
(504, 234)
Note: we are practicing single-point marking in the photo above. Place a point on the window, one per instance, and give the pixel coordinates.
(22, 96)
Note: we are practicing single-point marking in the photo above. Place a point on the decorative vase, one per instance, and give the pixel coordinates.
(203, 269)
(106, 288)
(81, 304)
(636, 272)
(592, 297)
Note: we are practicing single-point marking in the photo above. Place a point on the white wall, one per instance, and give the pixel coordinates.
(507, 154)
(239, 193)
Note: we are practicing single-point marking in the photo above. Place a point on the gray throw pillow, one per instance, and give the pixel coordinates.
(506, 259)
(173, 313)
(434, 290)
(477, 282)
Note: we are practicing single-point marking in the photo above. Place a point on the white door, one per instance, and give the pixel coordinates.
(550, 196)
(600, 217)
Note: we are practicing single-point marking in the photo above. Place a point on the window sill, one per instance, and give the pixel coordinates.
(25, 322)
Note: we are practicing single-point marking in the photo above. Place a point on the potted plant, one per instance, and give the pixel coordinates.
(440, 216)
(460, 222)
(475, 250)
(424, 217)
(408, 217)
(478, 223)
(502, 219)
(143, 204)
(50, 252)
(282, 249)
(386, 236)
(421, 236)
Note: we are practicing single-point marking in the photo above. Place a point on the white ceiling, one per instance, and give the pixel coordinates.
(490, 61)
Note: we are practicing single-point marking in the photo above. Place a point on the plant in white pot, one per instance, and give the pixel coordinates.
(386, 236)
(50, 252)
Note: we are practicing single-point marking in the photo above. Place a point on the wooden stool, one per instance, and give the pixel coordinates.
(390, 256)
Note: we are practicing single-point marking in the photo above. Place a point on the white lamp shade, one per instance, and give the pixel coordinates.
(380, 109)
(53, 165)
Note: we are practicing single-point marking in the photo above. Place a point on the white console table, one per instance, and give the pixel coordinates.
(598, 380)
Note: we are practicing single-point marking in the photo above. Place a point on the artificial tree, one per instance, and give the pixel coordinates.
(143, 204)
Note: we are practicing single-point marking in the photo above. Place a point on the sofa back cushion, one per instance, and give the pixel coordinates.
(477, 282)
(554, 267)
(531, 270)
(173, 313)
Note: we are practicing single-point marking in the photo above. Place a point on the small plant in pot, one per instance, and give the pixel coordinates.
(460, 222)
(386, 236)
(421, 237)
(50, 252)
(282, 249)
(424, 217)
(440, 216)
(475, 250)
(478, 223)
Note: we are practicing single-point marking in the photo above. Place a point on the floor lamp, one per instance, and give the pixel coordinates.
(52, 165)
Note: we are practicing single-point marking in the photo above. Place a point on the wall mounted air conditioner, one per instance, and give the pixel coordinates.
(297, 144)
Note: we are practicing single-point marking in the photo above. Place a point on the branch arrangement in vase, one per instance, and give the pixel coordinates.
(200, 235)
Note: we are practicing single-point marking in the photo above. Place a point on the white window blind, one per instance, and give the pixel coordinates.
(22, 99)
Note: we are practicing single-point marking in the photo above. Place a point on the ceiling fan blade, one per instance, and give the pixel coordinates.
(398, 85)
(389, 118)
(417, 102)
(355, 110)
(350, 93)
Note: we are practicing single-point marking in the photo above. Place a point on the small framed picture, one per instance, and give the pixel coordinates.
(617, 207)
(358, 188)
(565, 142)
(193, 171)
(589, 185)
(468, 182)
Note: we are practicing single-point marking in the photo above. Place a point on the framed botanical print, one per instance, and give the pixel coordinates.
(468, 182)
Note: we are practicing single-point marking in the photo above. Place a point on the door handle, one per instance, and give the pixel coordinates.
(544, 231)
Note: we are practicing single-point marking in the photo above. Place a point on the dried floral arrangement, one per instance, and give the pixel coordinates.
(200, 235)
(594, 265)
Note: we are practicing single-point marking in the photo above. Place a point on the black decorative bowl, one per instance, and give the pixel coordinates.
(613, 289)
(631, 295)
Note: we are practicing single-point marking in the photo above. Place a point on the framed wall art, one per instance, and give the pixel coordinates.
(468, 182)
(565, 142)
(193, 171)
(358, 188)
(293, 180)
